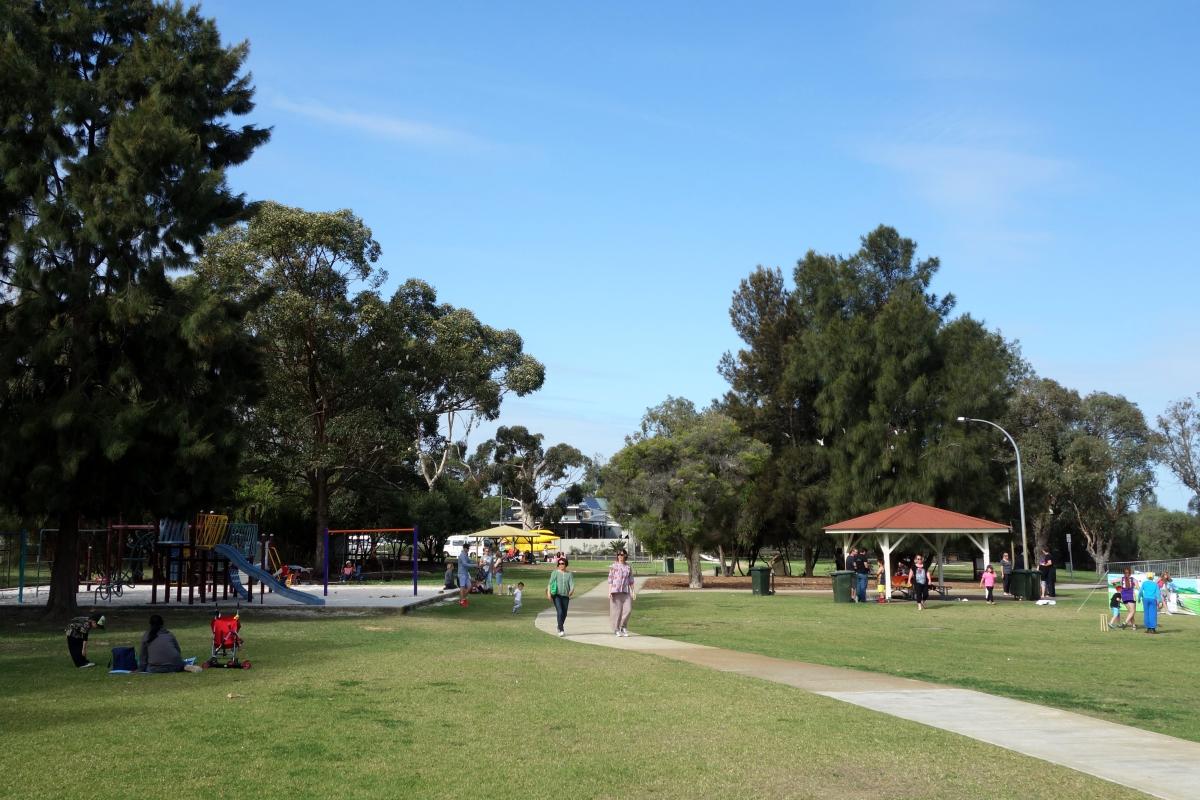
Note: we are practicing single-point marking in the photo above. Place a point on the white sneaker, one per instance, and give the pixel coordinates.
(617, 632)
(562, 633)
(88, 664)
(624, 632)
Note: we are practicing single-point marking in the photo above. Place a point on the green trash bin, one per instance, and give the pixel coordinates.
(843, 586)
(1026, 584)
(669, 566)
(760, 580)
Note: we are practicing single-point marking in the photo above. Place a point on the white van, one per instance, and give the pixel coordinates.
(455, 544)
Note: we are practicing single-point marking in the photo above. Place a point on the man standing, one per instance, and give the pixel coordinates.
(862, 568)
(464, 573)
(1006, 566)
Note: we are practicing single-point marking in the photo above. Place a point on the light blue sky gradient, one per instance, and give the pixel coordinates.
(600, 176)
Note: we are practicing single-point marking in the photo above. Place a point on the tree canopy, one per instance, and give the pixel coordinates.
(117, 385)
(683, 480)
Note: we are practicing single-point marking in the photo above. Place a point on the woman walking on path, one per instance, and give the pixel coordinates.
(918, 576)
(1128, 587)
(1006, 567)
(620, 594)
(560, 591)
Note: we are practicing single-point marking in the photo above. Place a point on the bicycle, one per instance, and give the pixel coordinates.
(109, 585)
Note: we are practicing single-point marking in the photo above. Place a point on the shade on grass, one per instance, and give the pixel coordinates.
(1052, 655)
(456, 702)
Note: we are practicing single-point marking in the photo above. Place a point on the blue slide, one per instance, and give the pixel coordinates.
(240, 561)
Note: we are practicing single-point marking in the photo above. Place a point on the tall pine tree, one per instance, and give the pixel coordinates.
(118, 385)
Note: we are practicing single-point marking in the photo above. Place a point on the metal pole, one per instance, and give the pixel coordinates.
(414, 561)
(326, 562)
(21, 571)
(1020, 481)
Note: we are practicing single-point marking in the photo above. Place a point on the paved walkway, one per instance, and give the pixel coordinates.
(1159, 765)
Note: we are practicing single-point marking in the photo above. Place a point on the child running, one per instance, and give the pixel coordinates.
(988, 581)
(1115, 604)
(517, 596)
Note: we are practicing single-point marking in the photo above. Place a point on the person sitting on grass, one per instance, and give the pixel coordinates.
(160, 650)
(77, 637)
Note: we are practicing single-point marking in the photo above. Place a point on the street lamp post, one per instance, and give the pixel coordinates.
(1020, 482)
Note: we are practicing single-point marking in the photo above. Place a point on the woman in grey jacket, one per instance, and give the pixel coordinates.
(160, 649)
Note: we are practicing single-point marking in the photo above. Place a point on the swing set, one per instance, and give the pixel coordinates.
(370, 532)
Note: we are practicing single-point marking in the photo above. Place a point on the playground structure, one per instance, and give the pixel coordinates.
(364, 542)
(208, 556)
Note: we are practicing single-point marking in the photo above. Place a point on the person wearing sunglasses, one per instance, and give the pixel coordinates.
(918, 576)
(560, 590)
(620, 594)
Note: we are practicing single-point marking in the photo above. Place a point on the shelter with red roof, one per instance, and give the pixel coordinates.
(935, 526)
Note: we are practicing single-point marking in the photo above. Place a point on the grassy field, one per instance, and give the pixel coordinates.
(1053, 655)
(464, 702)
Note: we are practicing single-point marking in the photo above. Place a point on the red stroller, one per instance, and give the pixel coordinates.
(227, 640)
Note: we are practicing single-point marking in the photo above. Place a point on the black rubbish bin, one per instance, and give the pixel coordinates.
(760, 580)
(669, 565)
(1026, 584)
(843, 586)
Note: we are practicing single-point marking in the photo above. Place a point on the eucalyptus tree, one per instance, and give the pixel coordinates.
(1109, 470)
(357, 381)
(1044, 417)
(684, 480)
(1179, 435)
(117, 384)
(522, 467)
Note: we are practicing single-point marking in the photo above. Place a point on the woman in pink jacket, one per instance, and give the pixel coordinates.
(620, 594)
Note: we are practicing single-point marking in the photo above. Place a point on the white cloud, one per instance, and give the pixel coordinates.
(967, 178)
(384, 126)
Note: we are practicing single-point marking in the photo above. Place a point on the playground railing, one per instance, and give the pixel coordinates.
(1178, 567)
(210, 530)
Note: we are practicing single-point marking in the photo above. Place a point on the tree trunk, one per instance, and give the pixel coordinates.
(320, 485)
(64, 576)
(695, 576)
(810, 560)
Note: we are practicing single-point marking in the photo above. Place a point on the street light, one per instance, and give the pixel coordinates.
(1020, 483)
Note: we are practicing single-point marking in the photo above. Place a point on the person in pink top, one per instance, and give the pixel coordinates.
(620, 594)
(988, 581)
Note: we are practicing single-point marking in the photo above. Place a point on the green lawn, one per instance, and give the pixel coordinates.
(452, 702)
(1053, 655)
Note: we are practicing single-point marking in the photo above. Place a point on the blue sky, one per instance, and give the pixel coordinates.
(600, 176)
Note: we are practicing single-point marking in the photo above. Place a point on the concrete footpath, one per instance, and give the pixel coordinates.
(1158, 765)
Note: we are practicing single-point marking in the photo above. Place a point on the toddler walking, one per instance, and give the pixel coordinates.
(988, 582)
(1115, 603)
(517, 596)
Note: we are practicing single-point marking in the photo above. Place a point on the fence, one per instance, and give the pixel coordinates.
(1178, 567)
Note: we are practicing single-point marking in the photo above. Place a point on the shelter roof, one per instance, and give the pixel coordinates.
(915, 518)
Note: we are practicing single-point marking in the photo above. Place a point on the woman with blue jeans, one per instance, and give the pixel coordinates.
(560, 591)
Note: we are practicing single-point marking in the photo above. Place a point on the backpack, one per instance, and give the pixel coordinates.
(123, 659)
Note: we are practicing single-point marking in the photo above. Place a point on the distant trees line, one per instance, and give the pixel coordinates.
(844, 400)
